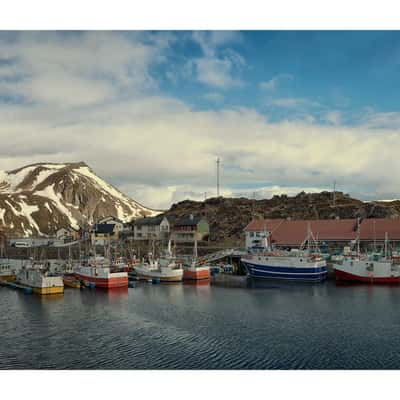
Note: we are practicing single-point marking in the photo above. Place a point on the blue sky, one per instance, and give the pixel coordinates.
(322, 70)
(151, 111)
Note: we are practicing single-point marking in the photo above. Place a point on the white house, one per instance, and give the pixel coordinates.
(67, 233)
(63, 234)
(151, 228)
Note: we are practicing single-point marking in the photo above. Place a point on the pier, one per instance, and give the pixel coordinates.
(16, 286)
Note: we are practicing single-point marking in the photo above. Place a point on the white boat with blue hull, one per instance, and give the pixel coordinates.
(296, 265)
(274, 266)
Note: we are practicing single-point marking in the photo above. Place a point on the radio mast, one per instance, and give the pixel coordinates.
(218, 176)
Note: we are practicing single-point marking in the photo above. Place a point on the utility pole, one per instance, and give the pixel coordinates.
(334, 193)
(205, 196)
(218, 176)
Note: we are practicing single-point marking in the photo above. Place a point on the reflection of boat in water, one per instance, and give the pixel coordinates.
(165, 268)
(38, 277)
(196, 271)
(295, 265)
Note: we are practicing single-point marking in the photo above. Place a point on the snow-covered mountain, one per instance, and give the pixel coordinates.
(38, 199)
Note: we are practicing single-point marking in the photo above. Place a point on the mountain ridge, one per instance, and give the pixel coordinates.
(37, 199)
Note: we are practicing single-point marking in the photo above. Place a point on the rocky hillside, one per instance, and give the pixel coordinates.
(38, 199)
(228, 216)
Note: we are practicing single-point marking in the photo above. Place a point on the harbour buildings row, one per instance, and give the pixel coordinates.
(186, 229)
(334, 233)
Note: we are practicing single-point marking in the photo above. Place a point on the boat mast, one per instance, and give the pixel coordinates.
(358, 237)
(195, 248)
(386, 243)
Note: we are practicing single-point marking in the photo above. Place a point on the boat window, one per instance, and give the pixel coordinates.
(301, 260)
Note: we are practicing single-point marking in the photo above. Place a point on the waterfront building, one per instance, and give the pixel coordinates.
(102, 234)
(118, 224)
(190, 229)
(334, 233)
(150, 228)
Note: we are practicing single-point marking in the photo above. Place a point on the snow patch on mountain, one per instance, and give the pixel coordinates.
(41, 198)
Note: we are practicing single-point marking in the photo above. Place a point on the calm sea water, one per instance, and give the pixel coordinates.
(182, 326)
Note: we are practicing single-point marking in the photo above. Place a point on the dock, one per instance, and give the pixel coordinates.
(16, 286)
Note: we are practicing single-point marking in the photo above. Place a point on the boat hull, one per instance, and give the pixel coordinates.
(161, 278)
(8, 278)
(349, 277)
(172, 275)
(105, 283)
(265, 271)
(48, 290)
(72, 282)
(197, 274)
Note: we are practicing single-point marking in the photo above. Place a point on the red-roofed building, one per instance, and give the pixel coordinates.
(288, 233)
(374, 229)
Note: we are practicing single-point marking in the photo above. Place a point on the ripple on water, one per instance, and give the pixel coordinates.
(181, 327)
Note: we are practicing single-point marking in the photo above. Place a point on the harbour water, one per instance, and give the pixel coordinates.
(264, 326)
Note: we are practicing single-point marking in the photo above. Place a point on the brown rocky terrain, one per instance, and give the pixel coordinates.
(228, 216)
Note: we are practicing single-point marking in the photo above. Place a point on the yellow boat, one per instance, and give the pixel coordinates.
(6, 274)
(40, 280)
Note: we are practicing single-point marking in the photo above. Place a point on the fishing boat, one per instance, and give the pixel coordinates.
(6, 273)
(164, 268)
(305, 264)
(38, 277)
(71, 281)
(98, 271)
(367, 268)
(195, 270)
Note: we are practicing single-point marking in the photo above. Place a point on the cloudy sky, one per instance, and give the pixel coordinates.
(151, 111)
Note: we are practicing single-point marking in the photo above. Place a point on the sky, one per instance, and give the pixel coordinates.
(150, 112)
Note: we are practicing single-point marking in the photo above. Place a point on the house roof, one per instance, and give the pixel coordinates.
(287, 232)
(187, 221)
(110, 217)
(149, 221)
(104, 228)
(376, 228)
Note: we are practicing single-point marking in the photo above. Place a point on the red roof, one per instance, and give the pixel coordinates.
(375, 228)
(288, 232)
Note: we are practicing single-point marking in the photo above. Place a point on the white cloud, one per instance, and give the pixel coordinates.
(333, 117)
(214, 97)
(217, 72)
(105, 110)
(217, 68)
(80, 68)
(293, 102)
(273, 83)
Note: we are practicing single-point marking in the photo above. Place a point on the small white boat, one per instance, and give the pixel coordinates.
(165, 268)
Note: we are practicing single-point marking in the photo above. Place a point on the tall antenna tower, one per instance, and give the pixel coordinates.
(218, 161)
(334, 193)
